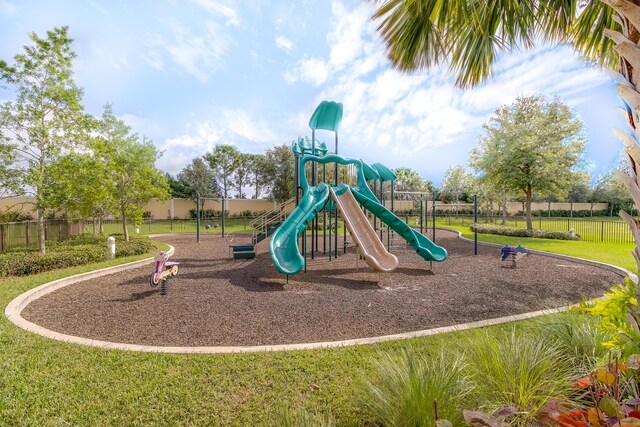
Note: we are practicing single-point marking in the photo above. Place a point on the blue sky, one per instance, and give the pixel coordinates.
(195, 73)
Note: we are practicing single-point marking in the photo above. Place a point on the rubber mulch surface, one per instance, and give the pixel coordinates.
(218, 301)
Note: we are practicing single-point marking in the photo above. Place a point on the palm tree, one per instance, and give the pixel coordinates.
(420, 34)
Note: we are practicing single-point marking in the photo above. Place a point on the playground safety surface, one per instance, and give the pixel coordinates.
(217, 301)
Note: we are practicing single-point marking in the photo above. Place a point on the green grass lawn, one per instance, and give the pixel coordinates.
(611, 253)
(45, 382)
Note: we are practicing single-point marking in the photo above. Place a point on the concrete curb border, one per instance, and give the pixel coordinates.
(15, 307)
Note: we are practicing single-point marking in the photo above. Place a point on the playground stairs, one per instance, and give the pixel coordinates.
(266, 224)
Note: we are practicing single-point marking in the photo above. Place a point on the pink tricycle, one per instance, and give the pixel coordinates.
(164, 269)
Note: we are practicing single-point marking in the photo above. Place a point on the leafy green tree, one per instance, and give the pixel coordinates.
(134, 179)
(242, 175)
(580, 190)
(420, 34)
(45, 118)
(531, 146)
(198, 178)
(223, 160)
(609, 188)
(258, 173)
(409, 180)
(10, 179)
(456, 185)
(80, 183)
(177, 189)
(280, 167)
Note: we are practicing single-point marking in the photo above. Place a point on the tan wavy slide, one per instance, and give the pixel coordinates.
(364, 236)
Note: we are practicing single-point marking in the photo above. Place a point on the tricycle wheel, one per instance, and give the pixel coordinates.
(174, 270)
(154, 279)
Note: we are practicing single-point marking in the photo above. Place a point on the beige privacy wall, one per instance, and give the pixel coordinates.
(179, 208)
(512, 207)
(172, 208)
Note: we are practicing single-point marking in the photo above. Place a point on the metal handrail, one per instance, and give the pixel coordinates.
(261, 223)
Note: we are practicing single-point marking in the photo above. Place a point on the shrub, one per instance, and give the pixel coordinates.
(618, 316)
(523, 371)
(9, 216)
(403, 391)
(523, 232)
(76, 250)
(577, 336)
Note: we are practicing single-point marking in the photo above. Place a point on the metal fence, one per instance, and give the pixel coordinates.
(596, 229)
(162, 226)
(25, 234)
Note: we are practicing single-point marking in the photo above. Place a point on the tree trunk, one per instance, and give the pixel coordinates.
(527, 208)
(504, 209)
(42, 244)
(124, 222)
(100, 225)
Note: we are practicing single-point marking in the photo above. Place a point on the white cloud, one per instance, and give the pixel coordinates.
(230, 126)
(7, 8)
(311, 70)
(284, 43)
(196, 53)
(220, 9)
(422, 120)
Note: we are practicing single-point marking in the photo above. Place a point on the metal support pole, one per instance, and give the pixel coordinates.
(223, 217)
(375, 219)
(475, 224)
(198, 217)
(420, 214)
(330, 218)
(297, 177)
(434, 217)
(382, 203)
(324, 213)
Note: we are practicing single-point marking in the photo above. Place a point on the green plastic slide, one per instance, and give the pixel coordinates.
(284, 243)
(423, 246)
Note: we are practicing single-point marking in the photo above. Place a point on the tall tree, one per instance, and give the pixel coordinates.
(177, 189)
(258, 173)
(609, 188)
(420, 34)
(531, 146)
(580, 190)
(223, 160)
(456, 184)
(242, 175)
(198, 178)
(46, 116)
(280, 166)
(131, 164)
(408, 179)
(81, 184)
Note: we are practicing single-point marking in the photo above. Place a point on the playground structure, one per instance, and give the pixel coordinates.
(349, 196)
(164, 269)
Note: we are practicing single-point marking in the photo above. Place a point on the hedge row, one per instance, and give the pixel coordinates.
(77, 250)
(523, 232)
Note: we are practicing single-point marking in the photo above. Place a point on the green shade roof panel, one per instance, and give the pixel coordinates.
(369, 172)
(304, 145)
(328, 116)
(385, 173)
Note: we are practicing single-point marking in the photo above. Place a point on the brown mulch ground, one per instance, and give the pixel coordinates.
(215, 301)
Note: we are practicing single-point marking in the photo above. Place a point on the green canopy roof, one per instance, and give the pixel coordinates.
(385, 173)
(369, 172)
(328, 116)
(304, 145)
